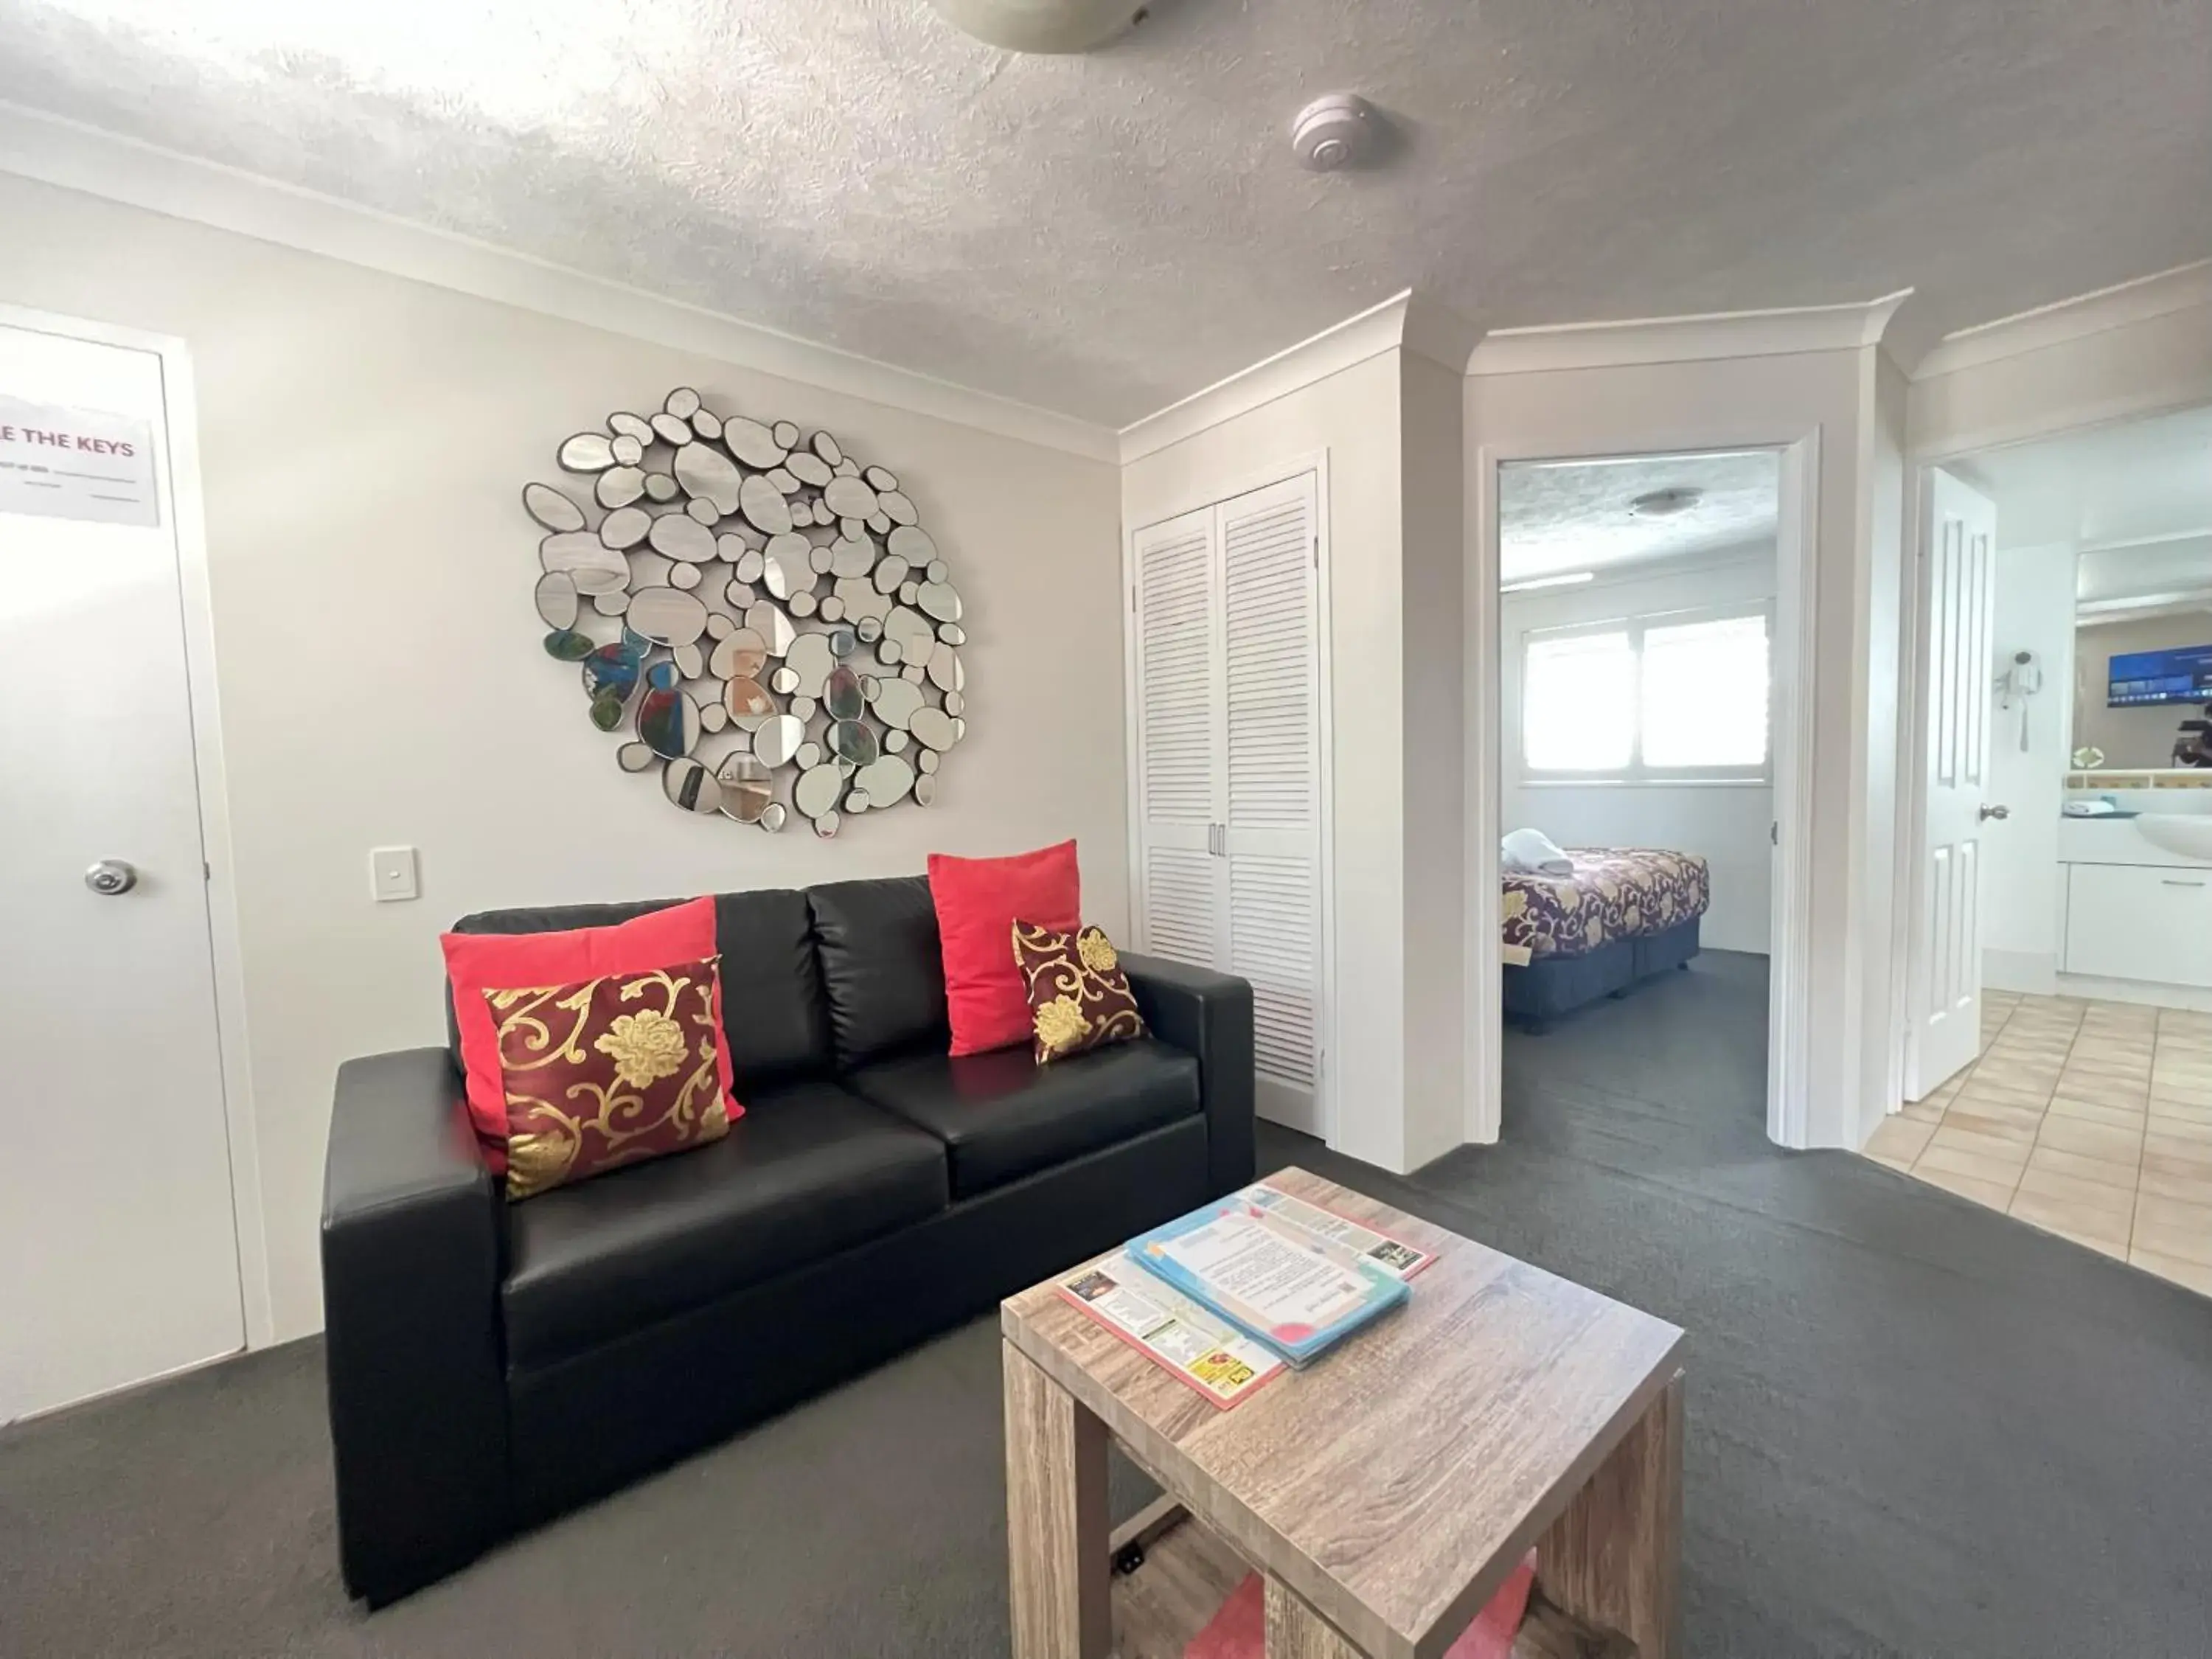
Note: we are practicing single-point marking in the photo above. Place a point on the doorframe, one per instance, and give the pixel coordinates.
(1797, 612)
(187, 504)
(1191, 499)
(1908, 944)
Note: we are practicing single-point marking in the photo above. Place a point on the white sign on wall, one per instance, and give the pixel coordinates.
(76, 464)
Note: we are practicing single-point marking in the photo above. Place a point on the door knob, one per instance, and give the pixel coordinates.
(1988, 813)
(112, 877)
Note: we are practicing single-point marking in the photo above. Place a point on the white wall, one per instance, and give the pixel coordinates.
(365, 439)
(1352, 418)
(2021, 900)
(1879, 560)
(1964, 399)
(1435, 758)
(1726, 824)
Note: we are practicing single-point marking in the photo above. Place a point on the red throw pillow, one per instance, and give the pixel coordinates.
(476, 963)
(978, 901)
(609, 1072)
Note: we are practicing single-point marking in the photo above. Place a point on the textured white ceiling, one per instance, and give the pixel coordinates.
(2148, 570)
(2133, 481)
(1104, 234)
(1559, 516)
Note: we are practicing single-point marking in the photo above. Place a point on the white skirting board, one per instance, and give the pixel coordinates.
(1292, 1106)
(2192, 997)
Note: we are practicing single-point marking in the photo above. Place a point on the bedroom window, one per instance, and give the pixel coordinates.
(1669, 698)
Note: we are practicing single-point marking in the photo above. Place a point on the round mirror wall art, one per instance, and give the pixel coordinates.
(752, 593)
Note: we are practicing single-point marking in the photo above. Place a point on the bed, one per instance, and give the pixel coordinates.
(1625, 914)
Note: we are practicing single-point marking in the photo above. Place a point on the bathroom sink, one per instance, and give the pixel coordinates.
(2187, 834)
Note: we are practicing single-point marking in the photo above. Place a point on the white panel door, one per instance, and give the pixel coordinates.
(117, 1254)
(1271, 838)
(1179, 784)
(1960, 535)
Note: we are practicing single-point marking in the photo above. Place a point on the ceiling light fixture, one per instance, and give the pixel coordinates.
(1570, 579)
(1045, 25)
(1665, 503)
(1336, 130)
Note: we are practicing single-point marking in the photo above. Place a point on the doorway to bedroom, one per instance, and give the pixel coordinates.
(1637, 609)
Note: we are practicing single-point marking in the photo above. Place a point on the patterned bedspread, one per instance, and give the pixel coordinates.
(1615, 893)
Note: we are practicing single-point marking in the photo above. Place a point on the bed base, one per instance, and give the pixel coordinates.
(1555, 987)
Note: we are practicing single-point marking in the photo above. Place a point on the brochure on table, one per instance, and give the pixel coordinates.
(1339, 1234)
(1207, 1352)
(1199, 1345)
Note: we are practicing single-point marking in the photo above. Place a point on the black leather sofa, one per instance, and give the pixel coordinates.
(490, 1365)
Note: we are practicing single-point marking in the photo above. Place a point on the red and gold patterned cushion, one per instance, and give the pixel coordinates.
(608, 1072)
(1078, 994)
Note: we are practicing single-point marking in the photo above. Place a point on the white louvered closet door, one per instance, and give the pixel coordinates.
(1181, 884)
(1271, 749)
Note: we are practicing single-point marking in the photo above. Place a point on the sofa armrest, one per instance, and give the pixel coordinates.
(412, 1265)
(1209, 1015)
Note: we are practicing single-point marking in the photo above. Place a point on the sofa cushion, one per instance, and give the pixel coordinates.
(808, 1171)
(978, 902)
(609, 1072)
(476, 963)
(1001, 1116)
(1079, 999)
(883, 975)
(773, 1012)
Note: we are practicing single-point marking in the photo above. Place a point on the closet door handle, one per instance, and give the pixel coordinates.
(2181, 884)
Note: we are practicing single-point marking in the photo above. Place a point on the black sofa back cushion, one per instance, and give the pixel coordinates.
(883, 971)
(773, 1011)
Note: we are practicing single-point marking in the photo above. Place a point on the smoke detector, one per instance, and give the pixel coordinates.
(1666, 503)
(1336, 130)
(1046, 26)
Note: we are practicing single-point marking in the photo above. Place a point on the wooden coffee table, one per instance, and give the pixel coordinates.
(1384, 1492)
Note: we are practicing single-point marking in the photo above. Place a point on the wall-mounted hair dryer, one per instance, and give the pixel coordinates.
(2022, 678)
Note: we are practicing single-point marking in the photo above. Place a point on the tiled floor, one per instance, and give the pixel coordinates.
(2092, 1119)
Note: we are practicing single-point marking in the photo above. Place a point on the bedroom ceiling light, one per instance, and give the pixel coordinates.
(1568, 580)
(1045, 25)
(1665, 503)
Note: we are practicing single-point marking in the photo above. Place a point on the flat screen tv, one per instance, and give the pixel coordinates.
(2183, 674)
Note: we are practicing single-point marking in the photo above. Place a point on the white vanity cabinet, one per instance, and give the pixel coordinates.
(2139, 921)
(2135, 908)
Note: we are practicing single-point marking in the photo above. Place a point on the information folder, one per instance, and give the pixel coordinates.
(1268, 1276)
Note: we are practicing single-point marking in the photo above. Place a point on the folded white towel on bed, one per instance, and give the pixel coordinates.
(1532, 852)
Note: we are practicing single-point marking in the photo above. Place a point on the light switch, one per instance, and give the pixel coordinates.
(391, 874)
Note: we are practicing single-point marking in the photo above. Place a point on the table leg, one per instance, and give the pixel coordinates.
(1295, 1631)
(1613, 1559)
(1056, 1520)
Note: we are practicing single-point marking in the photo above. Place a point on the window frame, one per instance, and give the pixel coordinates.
(1636, 774)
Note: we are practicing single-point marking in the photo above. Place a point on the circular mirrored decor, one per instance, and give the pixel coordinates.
(670, 492)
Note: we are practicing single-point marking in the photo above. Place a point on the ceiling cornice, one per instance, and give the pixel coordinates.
(1441, 335)
(2182, 288)
(1686, 339)
(2164, 539)
(55, 151)
(1405, 321)
(2098, 613)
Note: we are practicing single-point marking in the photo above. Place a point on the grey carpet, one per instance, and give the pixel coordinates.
(1915, 1427)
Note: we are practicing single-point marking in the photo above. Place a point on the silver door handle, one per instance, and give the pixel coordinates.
(1988, 813)
(111, 877)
